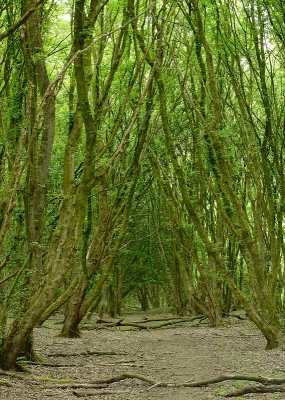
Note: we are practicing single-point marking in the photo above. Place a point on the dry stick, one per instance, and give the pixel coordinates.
(222, 378)
(273, 384)
(43, 364)
(137, 325)
(169, 319)
(87, 353)
(126, 375)
(143, 326)
(102, 321)
(77, 386)
(256, 389)
(98, 392)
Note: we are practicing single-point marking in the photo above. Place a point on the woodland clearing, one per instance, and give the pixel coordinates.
(180, 353)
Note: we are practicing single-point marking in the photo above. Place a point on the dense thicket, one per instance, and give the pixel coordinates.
(141, 159)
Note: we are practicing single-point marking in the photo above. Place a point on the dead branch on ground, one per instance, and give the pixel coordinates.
(270, 385)
(101, 324)
(266, 385)
(222, 378)
(87, 353)
(256, 389)
(44, 364)
(126, 375)
(87, 393)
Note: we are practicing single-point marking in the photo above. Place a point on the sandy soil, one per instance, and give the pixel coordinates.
(179, 353)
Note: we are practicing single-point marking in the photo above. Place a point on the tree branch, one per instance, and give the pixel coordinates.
(21, 21)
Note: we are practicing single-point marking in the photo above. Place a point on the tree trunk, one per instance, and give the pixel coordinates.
(72, 317)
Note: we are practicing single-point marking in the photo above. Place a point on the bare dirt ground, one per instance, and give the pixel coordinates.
(190, 351)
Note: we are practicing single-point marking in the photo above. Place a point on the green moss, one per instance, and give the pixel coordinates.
(5, 383)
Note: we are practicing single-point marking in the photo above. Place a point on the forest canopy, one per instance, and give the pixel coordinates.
(141, 162)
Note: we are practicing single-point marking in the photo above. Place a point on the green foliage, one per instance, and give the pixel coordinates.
(154, 161)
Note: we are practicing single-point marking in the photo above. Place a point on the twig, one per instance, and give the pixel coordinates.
(156, 385)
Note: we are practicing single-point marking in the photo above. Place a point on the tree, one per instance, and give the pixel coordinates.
(167, 116)
(244, 223)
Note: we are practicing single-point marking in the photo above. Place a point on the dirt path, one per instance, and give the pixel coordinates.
(180, 353)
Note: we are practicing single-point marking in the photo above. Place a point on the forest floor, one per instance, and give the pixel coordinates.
(179, 353)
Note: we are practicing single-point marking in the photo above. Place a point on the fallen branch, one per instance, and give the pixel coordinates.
(266, 385)
(222, 378)
(271, 385)
(238, 316)
(78, 386)
(43, 364)
(126, 375)
(120, 362)
(256, 389)
(190, 319)
(87, 353)
(139, 325)
(88, 393)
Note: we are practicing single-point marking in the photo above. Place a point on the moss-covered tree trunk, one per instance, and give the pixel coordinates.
(248, 230)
